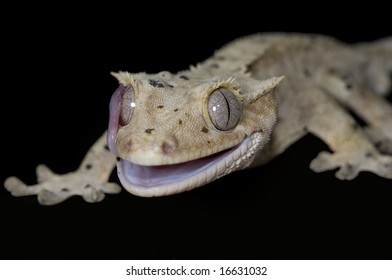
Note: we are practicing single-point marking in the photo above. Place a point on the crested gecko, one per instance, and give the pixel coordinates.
(169, 133)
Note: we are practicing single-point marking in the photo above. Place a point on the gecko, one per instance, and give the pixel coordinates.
(240, 108)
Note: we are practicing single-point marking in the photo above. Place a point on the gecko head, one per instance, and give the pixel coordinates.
(175, 132)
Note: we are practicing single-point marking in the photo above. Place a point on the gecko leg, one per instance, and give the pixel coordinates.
(353, 152)
(363, 88)
(90, 180)
(375, 110)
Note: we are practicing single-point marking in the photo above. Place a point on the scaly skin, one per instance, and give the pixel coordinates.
(163, 125)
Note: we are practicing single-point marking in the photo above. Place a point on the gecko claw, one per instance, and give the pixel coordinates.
(46, 197)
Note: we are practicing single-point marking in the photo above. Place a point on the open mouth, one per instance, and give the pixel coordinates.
(168, 179)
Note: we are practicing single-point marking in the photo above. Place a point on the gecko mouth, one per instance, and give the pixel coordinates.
(175, 178)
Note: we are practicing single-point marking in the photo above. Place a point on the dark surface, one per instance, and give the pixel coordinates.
(56, 89)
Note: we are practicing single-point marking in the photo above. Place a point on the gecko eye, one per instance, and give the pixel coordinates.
(127, 105)
(224, 109)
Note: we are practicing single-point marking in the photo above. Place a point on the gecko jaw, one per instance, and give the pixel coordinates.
(164, 180)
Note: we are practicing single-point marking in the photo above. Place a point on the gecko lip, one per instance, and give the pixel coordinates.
(169, 179)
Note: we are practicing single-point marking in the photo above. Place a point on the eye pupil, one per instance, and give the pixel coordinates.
(127, 105)
(224, 109)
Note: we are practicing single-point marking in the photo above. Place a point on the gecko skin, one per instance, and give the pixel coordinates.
(240, 108)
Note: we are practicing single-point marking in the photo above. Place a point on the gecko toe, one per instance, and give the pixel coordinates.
(92, 195)
(323, 162)
(111, 188)
(46, 197)
(16, 187)
(347, 172)
(44, 173)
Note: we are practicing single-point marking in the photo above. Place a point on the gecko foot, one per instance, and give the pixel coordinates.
(53, 188)
(350, 165)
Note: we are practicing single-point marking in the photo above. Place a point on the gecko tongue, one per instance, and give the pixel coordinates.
(114, 108)
(155, 176)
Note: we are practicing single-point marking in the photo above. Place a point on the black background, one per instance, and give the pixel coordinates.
(55, 92)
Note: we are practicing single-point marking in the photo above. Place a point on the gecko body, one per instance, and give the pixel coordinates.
(240, 108)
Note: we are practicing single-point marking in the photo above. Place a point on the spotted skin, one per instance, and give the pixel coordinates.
(170, 124)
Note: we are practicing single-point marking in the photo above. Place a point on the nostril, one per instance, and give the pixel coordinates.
(169, 146)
